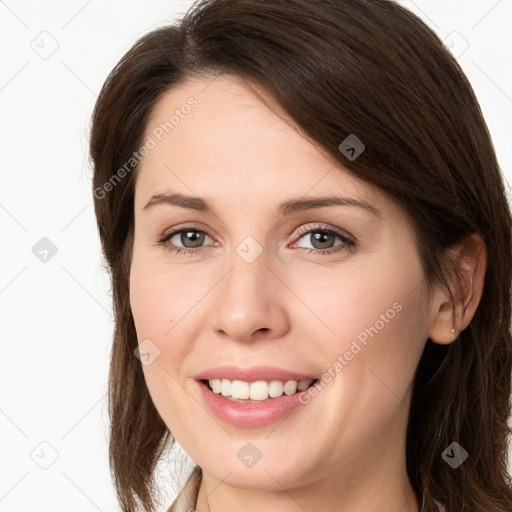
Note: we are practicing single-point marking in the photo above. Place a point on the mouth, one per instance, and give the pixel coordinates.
(257, 391)
(257, 403)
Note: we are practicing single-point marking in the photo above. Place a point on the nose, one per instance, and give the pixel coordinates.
(250, 300)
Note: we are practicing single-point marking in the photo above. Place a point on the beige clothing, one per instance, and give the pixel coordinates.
(187, 498)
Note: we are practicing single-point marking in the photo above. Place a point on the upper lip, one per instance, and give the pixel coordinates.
(251, 374)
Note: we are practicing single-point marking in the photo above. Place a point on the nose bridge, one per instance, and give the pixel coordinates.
(248, 271)
(246, 300)
(247, 257)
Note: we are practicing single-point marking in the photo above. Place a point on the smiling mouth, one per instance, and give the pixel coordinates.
(256, 392)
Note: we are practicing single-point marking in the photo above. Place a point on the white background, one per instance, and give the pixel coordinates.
(55, 317)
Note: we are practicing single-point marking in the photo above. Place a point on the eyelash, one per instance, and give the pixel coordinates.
(348, 242)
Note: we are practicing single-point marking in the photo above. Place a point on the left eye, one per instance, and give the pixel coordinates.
(322, 239)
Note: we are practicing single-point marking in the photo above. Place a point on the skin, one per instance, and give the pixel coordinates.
(345, 450)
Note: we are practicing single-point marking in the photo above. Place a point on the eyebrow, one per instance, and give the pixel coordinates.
(285, 208)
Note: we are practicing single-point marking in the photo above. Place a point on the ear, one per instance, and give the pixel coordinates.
(466, 285)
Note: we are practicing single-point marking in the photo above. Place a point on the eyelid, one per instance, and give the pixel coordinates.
(299, 232)
(184, 227)
(348, 239)
(325, 227)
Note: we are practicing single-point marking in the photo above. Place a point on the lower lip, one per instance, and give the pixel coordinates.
(249, 415)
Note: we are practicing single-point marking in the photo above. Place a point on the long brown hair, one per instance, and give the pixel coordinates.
(335, 67)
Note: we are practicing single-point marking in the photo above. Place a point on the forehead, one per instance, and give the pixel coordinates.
(217, 137)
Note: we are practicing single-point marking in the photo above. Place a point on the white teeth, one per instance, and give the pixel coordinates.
(240, 389)
(290, 387)
(259, 390)
(216, 385)
(303, 384)
(275, 388)
(225, 388)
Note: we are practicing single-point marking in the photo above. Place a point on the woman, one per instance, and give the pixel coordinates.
(309, 243)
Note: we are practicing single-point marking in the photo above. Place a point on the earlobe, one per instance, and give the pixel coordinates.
(443, 330)
(454, 313)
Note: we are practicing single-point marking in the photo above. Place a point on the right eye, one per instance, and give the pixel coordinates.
(192, 239)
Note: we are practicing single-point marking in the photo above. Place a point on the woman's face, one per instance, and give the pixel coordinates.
(332, 292)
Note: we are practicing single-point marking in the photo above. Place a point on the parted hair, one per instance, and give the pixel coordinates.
(335, 67)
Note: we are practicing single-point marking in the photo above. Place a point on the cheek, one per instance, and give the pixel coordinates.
(149, 303)
(166, 308)
(350, 305)
(153, 295)
(163, 311)
(372, 318)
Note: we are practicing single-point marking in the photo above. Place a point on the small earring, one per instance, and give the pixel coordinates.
(452, 330)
